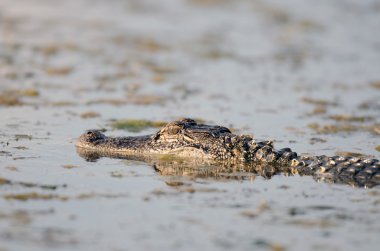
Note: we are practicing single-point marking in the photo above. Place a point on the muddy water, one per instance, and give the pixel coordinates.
(302, 73)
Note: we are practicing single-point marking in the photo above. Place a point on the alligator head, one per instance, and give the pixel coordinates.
(183, 137)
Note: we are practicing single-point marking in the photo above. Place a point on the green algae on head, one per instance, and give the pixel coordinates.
(136, 125)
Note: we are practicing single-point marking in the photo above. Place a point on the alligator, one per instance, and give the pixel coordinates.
(218, 146)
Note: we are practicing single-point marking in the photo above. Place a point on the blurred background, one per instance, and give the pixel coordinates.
(290, 65)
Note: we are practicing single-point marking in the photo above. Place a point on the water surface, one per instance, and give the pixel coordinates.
(274, 69)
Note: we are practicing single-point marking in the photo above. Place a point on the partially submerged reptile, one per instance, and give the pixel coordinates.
(216, 144)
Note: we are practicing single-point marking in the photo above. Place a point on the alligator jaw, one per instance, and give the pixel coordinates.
(95, 142)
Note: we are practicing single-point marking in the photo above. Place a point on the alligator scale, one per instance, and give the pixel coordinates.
(216, 144)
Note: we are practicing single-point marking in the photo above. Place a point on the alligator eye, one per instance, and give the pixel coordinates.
(89, 133)
(173, 130)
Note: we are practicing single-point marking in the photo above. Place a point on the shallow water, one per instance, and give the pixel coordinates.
(267, 68)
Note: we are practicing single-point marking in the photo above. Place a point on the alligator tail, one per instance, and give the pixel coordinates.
(355, 171)
(358, 172)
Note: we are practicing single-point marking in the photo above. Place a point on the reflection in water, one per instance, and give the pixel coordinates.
(171, 165)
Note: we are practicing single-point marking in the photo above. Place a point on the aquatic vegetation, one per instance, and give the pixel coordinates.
(69, 166)
(41, 196)
(321, 102)
(34, 196)
(59, 71)
(136, 125)
(351, 118)
(90, 114)
(375, 85)
(14, 97)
